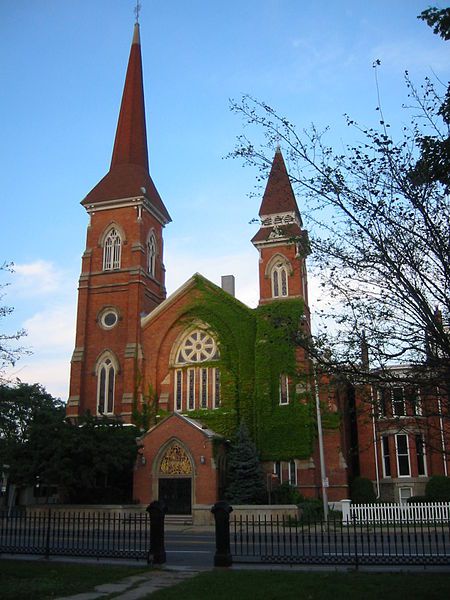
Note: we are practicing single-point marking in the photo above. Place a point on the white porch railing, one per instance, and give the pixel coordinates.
(394, 513)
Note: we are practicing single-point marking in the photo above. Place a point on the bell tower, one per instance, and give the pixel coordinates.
(281, 241)
(122, 276)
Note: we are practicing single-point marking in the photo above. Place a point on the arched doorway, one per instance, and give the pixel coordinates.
(175, 475)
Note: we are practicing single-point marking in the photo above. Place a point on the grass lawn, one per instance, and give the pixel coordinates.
(264, 585)
(39, 580)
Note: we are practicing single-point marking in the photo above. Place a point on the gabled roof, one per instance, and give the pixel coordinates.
(278, 196)
(191, 283)
(209, 433)
(129, 175)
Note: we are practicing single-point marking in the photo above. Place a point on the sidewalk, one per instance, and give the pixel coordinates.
(139, 586)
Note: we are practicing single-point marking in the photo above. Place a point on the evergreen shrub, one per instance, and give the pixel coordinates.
(286, 494)
(438, 489)
(361, 491)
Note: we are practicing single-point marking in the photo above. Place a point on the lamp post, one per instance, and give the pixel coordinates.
(321, 449)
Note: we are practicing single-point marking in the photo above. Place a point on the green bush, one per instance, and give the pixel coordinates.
(361, 491)
(417, 500)
(438, 489)
(286, 494)
(311, 510)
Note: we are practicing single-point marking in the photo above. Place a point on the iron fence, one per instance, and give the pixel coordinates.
(97, 535)
(287, 541)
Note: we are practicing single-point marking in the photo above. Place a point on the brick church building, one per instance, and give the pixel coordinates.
(198, 362)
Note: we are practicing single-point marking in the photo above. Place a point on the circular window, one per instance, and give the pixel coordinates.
(109, 318)
(199, 346)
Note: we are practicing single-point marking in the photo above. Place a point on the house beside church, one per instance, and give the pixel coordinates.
(199, 360)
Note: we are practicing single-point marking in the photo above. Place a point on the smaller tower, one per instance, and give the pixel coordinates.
(281, 241)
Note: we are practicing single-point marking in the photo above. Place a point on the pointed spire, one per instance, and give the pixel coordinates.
(130, 146)
(129, 172)
(280, 217)
(278, 196)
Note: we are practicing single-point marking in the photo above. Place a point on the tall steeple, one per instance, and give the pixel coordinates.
(123, 273)
(129, 171)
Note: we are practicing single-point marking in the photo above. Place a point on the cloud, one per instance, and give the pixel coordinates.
(52, 328)
(52, 373)
(406, 54)
(40, 277)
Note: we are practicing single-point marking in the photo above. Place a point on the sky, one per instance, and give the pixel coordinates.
(62, 70)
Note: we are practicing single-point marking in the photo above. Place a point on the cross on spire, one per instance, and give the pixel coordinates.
(137, 10)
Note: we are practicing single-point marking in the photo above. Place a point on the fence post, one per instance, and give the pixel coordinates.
(221, 511)
(47, 534)
(157, 511)
(346, 511)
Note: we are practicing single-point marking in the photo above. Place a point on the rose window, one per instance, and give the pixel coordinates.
(199, 346)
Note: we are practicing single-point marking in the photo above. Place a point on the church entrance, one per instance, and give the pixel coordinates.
(176, 494)
(175, 479)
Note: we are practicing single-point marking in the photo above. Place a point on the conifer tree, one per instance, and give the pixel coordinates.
(245, 475)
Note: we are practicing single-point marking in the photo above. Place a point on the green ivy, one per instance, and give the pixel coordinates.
(256, 347)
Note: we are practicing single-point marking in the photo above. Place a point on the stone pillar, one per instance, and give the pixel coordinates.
(157, 511)
(346, 519)
(222, 557)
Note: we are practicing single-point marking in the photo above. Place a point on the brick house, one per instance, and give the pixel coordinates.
(402, 434)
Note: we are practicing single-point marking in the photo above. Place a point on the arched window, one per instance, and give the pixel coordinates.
(196, 386)
(151, 254)
(279, 280)
(112, 250)
(106, 376)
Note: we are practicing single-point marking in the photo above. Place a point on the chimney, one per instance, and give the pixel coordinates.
(228, 284)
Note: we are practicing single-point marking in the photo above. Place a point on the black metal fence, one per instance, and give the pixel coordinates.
(98, 535)
(287, 541)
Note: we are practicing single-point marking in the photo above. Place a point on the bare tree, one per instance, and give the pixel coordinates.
(379, 215)
(9, 352)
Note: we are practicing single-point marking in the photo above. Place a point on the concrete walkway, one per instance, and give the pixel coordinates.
(139, 586)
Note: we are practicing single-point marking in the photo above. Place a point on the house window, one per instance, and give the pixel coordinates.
(216, 389)
(112, 251)
(190, 390)
(398, 402)
(204, 388)
(178, 389)
(292, 472)
(421, 457)
(105, 387)
(404, 493)
(403, 466)
(279, 280)
(383, 395)
(284, 389)
(151, 255)
(278, 471)
(386, 456)
(416, 402)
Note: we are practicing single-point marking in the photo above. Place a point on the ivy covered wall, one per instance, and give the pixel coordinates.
(256, 347)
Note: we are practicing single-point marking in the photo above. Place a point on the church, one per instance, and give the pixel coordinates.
(199, 361)
(193, 365)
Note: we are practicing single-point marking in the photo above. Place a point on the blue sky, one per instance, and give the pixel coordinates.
(62, 69)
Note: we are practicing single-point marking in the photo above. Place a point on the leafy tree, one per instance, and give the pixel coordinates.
(380, 215)
(9, 354)
(91, 461)
(245, 476)
(438, 489)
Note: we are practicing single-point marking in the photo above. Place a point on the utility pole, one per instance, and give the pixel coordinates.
(321, 449)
